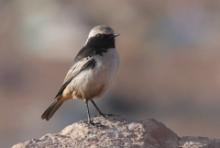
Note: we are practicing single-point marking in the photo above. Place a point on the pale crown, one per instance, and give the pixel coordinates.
(101, 29)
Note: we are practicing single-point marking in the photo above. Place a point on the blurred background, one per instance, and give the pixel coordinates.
(170, 63)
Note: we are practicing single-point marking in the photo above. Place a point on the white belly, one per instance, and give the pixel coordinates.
(94, 82)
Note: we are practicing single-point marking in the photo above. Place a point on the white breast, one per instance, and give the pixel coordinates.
(89, 81)
(107, 65)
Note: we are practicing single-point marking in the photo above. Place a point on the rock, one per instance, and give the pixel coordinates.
(117, 133)
(199, 142)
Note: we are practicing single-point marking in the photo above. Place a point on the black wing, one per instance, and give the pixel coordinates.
(83, 53)
(88, 51)
(81, 65)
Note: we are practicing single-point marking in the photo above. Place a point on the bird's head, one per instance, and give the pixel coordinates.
(101, 36)
(102, 30)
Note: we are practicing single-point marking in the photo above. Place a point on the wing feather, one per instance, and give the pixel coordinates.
(78, 67)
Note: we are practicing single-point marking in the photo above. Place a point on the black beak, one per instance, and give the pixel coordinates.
(116, 34)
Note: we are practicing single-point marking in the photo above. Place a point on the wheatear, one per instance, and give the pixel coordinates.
(92, 72)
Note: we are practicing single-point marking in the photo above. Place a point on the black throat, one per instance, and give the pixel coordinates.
(97, 45)
(101, 41)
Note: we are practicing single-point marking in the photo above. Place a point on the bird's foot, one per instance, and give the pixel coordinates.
(107, 115)
(91, 123)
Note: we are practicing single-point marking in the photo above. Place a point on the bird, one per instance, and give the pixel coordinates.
(92, 72)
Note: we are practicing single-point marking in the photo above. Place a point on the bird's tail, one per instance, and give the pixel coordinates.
(48, 113)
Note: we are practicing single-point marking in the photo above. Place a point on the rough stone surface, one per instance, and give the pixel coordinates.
(118, 133)
(199, 142)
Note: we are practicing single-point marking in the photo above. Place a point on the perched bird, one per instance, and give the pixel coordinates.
(92, 72)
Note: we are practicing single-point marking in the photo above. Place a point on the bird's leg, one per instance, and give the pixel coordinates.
(100, 112)
(89, 118)
(88, 113)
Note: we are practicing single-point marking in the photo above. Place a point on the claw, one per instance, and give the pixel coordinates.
(98, 125)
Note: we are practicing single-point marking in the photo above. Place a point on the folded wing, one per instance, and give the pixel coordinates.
(78, 67)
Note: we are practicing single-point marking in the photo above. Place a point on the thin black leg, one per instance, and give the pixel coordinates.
(97, 108)
(88, 113)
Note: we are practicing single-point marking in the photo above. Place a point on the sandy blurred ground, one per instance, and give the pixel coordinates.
(170, 62)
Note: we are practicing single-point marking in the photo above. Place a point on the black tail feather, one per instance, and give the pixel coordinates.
(49, 112)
